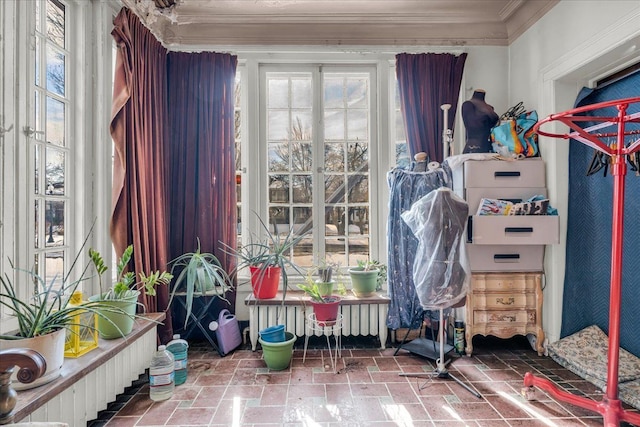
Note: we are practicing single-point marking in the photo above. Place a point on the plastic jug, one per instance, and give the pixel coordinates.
(227, 331)
(161, 379)
(179, 349)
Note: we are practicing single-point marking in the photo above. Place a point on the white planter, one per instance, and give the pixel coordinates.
(50, 346)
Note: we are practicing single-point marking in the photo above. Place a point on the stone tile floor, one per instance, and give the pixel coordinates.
(367, 390)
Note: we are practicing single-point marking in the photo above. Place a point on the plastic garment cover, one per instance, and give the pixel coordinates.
(440, 268)
(405, 188)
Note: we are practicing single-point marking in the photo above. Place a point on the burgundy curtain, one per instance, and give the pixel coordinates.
(138, 117)
(202, 142)
(428, 80)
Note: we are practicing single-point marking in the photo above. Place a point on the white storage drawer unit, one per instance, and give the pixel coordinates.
(506, 252)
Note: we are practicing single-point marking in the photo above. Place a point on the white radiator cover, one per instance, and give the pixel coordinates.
(82, 401)
(358, 319)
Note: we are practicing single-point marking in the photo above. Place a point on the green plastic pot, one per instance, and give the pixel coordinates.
(121, 319)
(364, 283)
(277, 355)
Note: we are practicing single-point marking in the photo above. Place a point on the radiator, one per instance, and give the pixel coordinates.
(358, 319)
(93, 391)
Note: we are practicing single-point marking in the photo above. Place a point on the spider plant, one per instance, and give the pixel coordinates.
(200, 274)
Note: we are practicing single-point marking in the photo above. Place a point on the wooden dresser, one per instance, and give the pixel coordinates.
(505, 253)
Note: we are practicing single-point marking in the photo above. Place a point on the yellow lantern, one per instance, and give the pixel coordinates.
(82, 335)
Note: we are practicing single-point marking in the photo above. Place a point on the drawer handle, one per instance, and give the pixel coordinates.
(503, 318)
(498, 257)
(506, 173)
(518, 229)
(510, 301)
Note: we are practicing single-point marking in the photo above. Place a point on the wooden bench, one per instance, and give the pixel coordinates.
(361, 315)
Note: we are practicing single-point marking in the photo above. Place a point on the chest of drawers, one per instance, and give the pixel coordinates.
(504, 305)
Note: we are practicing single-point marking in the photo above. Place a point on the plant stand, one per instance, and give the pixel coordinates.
(326, 328)
(196, 318)
(610, 407)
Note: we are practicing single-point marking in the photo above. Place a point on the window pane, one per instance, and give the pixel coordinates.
(278, 188)
(358, 189)
(54, 268)
(54, 223)
(55, 70)
(335, 221)
(278, 125)
(55, 121)
(334, 125)
(36, 65)
(55, 22)
(301, 93)
(279, 219)
(301, 128)
(334, 190)
(301, 157)
(357, 93)
(333, 93)
(36, 111)
(278, 93)
(335, 251)
(303, 219)
(357, 125)
(334, 157)
(278, 157)
(55, 171)
(36, 169)
(358, 157)
(302, 191)
(36, 223)
(358, 220)
(358, 249)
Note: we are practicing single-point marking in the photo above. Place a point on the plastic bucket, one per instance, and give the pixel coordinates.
(273, 334)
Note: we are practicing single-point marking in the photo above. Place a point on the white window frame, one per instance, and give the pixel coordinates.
(88, 182)
(254, 182)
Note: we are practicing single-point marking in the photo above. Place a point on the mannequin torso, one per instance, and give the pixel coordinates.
(478, 117)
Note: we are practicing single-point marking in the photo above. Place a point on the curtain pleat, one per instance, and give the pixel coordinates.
(140, 180)
(426, 81)
(203, 173)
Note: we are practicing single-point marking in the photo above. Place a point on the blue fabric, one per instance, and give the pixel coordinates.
(406, 187)
(588, 262)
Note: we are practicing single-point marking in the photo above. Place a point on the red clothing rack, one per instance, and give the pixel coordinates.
(610, 406)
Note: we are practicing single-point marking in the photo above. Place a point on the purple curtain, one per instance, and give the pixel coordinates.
(428, 80)
(202, 151)
(140, 180)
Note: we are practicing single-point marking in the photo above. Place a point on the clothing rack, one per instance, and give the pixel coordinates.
(610, 406)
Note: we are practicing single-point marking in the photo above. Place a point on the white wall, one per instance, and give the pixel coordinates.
(574, 43)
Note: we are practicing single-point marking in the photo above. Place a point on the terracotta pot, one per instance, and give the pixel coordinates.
(265, 281)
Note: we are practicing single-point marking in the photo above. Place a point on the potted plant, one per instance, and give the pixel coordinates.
(200, 274)
(325, 307)
(268, 260)
(367, 277)
(45, 318)
(118, 304)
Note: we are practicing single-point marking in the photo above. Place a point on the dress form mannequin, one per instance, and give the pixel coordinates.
(478, 117)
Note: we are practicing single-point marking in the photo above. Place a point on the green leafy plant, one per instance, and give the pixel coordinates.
(273, 251)
(126, 285)
(200, 273)
(313, 289)
(48, 309)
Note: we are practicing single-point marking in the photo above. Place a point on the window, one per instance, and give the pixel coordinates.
(55, 92)
(49, 140)
(318, 133)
